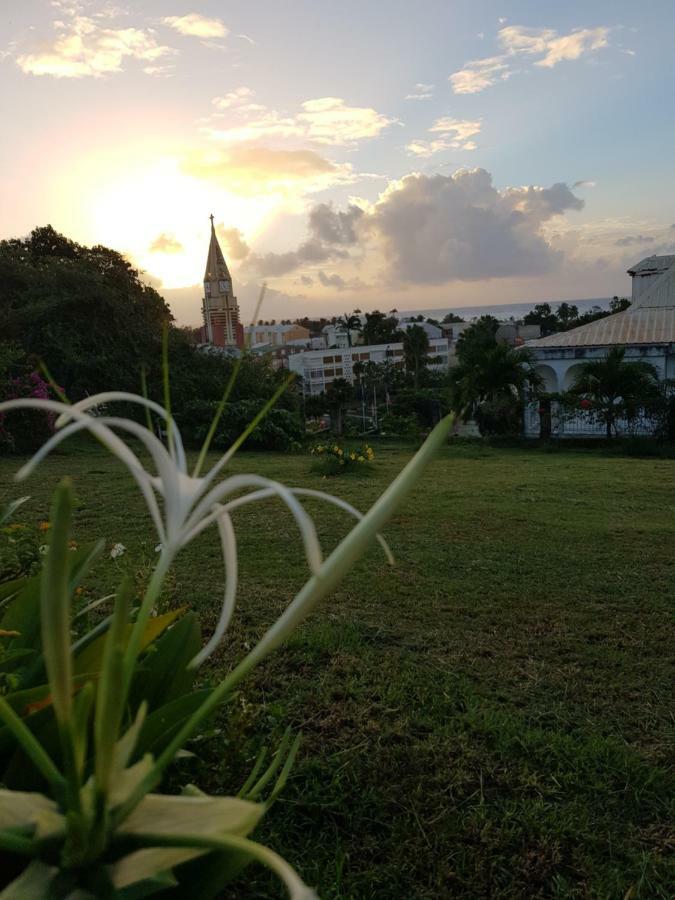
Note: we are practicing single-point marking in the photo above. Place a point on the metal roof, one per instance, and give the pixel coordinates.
(652, 264)
(650, 320)
(650, 325)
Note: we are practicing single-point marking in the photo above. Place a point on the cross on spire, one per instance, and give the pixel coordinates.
(211, 217)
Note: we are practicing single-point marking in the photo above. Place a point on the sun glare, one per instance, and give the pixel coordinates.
(136, 208)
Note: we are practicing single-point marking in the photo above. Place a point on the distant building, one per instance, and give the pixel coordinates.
(276, 335)
(220, 309)
(336, 336)
(432, 331)
(319, 368)
(646, 329)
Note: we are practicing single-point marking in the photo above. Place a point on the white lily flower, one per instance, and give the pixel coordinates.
(117, 551)
(181, 505)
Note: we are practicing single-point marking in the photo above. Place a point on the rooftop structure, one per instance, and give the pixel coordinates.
(646, 329)
(220, 309)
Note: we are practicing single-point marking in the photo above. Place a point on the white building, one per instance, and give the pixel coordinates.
(319, 368)
(336, 336)
(646, 329)
(276, 335)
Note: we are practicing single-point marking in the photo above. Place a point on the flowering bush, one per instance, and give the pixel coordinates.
(29, 428)
(333, 459)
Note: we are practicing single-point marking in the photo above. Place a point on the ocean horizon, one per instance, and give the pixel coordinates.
(505, 311)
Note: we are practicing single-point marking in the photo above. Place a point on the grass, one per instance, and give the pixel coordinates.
(490, 719)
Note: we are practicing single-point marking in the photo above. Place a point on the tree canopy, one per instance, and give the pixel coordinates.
(83, 310)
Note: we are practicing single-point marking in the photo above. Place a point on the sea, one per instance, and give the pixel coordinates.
(504, 311)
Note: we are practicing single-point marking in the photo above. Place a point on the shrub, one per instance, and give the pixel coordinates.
(30, 428)
(332, 459)
(400, 426)
(500, 417)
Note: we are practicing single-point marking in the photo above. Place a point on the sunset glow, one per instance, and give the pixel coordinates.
(474, 169)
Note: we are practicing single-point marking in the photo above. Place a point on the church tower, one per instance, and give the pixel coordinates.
(219, 305)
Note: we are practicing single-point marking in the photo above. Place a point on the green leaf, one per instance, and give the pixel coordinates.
(111, 700)
(55, 605)
(166, 816)
(23, 615)
(169, 815)
(23, 809)
(161, 725)
(90, 660)
(9, 588)
(164, 675)
(11, 659)
(128, 780)
(34, 881)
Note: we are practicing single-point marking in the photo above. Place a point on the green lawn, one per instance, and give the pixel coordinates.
(489, 719)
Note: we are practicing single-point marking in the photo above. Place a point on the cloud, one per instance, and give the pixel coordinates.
(434, 229)
(195, 25)
(251, 169)
(631, 239)
(325, 120)
(518, 43)
(552, 47)
(276, 264)
(454, 134)
(83, 48)
(421, 92)
(334, 227)
(330, 231)
(239, 97)
(334, 280)
(236, 246)
(479, 74)
(166, 243)
(584, 184)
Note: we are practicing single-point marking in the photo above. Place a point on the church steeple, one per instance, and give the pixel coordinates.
(219, 305)
(216, 267)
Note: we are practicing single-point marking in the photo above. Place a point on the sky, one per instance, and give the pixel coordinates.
(380, 154)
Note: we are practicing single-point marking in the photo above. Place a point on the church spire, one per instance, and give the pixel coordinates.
(219, 305)
(216, 267)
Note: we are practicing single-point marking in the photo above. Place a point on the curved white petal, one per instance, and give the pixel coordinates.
(229, 542)
(127, 397)
(241, 482)
(98, 427)
(265, 493)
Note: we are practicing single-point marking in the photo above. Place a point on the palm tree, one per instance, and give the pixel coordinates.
(415, 351)
(496, 372)
(615, 388)
(349, 323)
(339, 394)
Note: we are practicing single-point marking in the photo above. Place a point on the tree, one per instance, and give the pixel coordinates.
(416, 351)
(381, 329)
(349, 323)
(491, 380)
(84, 310)
(615, 388)
(477, 338)
(543, 316)
(450, 318)
(338, 395)
(567, 314)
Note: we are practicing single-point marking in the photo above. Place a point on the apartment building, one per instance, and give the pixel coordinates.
(319, 368)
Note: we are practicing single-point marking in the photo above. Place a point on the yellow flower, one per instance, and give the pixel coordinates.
(352, 455)
(361, 459)
(45, 526)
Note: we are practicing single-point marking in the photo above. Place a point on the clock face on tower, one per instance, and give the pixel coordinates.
(223, 286)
